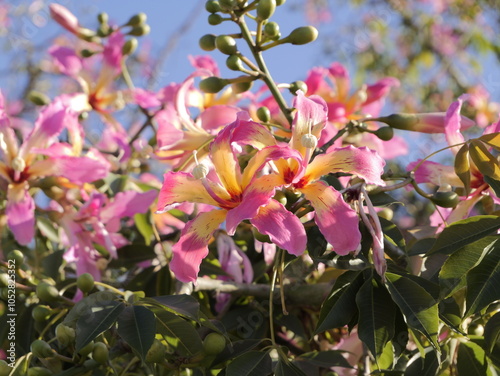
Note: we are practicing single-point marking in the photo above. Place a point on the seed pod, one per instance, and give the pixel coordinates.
(100, 353)
(214, 19)
(214, 344)
(85, 282)
(384, 133)
(445, 199)
(212, 84)
(265, 9)
(303, 35)
(212, 6)
(40, 99)
(264, 114)
(129, 46)
(46, 292)
(41, 349)
(233, 62)
(226, 44)
(207, 42)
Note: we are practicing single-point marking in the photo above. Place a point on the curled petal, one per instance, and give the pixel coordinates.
(192, 246)
(336, 220)
(380, 89)
(453, 124)
(435, 173)
(244, 131)
(363, 162)
(20, 212)
(282, 226)
(66, 60)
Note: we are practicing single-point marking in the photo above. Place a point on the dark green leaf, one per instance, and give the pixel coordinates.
(450, 313)
(416, 304)
(324, 359)
(51, 264)
(83, 308)
(483, 281)
(98, 319)
(421, 246)
(179, 333)
(184, 305)
(286, 368)
(471, 360)
(494, 184)
(316, 242)
(392, 233)
(143, 224)
(382, 199)
(136, 326)
(423, 366)
(376, 316)
(453, 273)
(400, 339)
(252, 363)
(492, 332)
(132, 254)
(464, 232)
(340, 306)
(236, 348)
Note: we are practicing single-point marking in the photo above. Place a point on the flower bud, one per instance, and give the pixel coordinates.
(16, 255)
(214, 344)
(303, 35)
(227, 5)
(298, 85)
(264, 114)
(86, 53)
(65, 335)
(207, 42)
(215, 19)
(100, 353)
(39, 371)
(212, 84)
(65, 18)
(233, 62)
(265, 9)
(86, 350)
(40, 99)
(103, 31)
(241, 87)
(212, 6)
(4, 280)
(85, 282)
(309, 141)
(272, 30)
(384, 133)
(102, 18)
(140, 30)
(445, 199)
(46, 292)
(138, 19)
(41, 349)
(129, 46)
(280, 2)
(41, 313)
(156, 353)
(425, 123)
(226, 44)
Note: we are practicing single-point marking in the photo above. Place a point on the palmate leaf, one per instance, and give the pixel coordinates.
(483, 281)
(486, 163)
(466, 231)
(136, 326)
(377, 313)
(417, 305)
(462, 167)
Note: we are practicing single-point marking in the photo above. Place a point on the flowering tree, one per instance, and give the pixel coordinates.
(276, 242)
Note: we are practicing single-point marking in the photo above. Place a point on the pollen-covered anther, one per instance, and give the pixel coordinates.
(309, 141)
(18, 164)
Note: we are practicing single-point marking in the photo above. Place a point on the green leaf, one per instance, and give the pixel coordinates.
(46, 227)
(235, 349)
(132, 254)
(492, 139)
(464, 232)
(340, 306)
(450, 313)
(424, 366)
(453, 273)
(83, 308)
(471, 360)
(316, 242)
(486, 163)
(377, 313)
(421, 246)
(136, 326)
(462, 166)
(324, 359)
(143, 224)
(179, 333)
(382, 199)
(252, 363)
(494, 184)
(22, 365)
(483, 281)
(184, 305)
(416, 304)
(286, 368)
(392, 233)
(492, 332)
(99, 319)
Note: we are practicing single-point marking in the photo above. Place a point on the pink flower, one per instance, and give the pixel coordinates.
(68, 20)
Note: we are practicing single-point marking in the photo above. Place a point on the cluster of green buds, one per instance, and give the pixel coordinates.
(266, 35)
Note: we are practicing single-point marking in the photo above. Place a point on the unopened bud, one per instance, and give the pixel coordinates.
(214, 19)
(298, 85)
(140, 30)
(241, 87)
(384, 133)
(227, 5)
(100, 353)
(309, 141)
(86, 53)
(207, 42)
(264, 114)
(129, 46)
(272, 30)
(65, 335)
(40, 99)
(212, 84)
(138, 19)
(303, 35)
(212, 6)
(280, 2)
(226, 44)
(233, 62)
(445, 199)
(102, 18)
(41, 349)
(265, 9)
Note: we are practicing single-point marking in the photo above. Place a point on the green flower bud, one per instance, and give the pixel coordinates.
(4, 280)
(212, 84)
(280, 2)
(227, 5)
(445, 199)
(215, 19)
(156, 353)
(40, 99)
(280, 196)
(241, 87)
(226, 44)
(207, 42)
(85, 282)
(139, 31)
(46, 292)
(41, 349)
(86, 350)
(86, 53)
(39, 371)
(100, 353)
(303, 35)
(65, 335)
(4, 293)
(103, 31)
(384, 133)
(212, 6)
(233, 62)
(265, 9)
(298, 85)
(138, 19)
(41, 313)
(386, 213)
(102, 18)
(129, 46)
(272, 30)
(264, 114)
(214, 344)
(17, 256)
(5, 369)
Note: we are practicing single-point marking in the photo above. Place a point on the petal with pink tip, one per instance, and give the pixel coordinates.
(192, 246)
(435, 173)
(112, 54)
(64, 17)
(282, 226)
(257, 194)
(215, 117)
(204, 62)
(363, 162)
(179, 187)
(380, 89)
(145, 98)
(20, 212)
(245, 131)
(337, 221)
(66, 60)
(128, 203)
(453, 125)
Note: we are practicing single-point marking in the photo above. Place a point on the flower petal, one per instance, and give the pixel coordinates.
(126, 204)
(435, 173)
(282, 226)
(20, 212)
(336, 220)
(453, 125)
(192, 246)
(66, 60)
(215, 117)
(363, 162)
